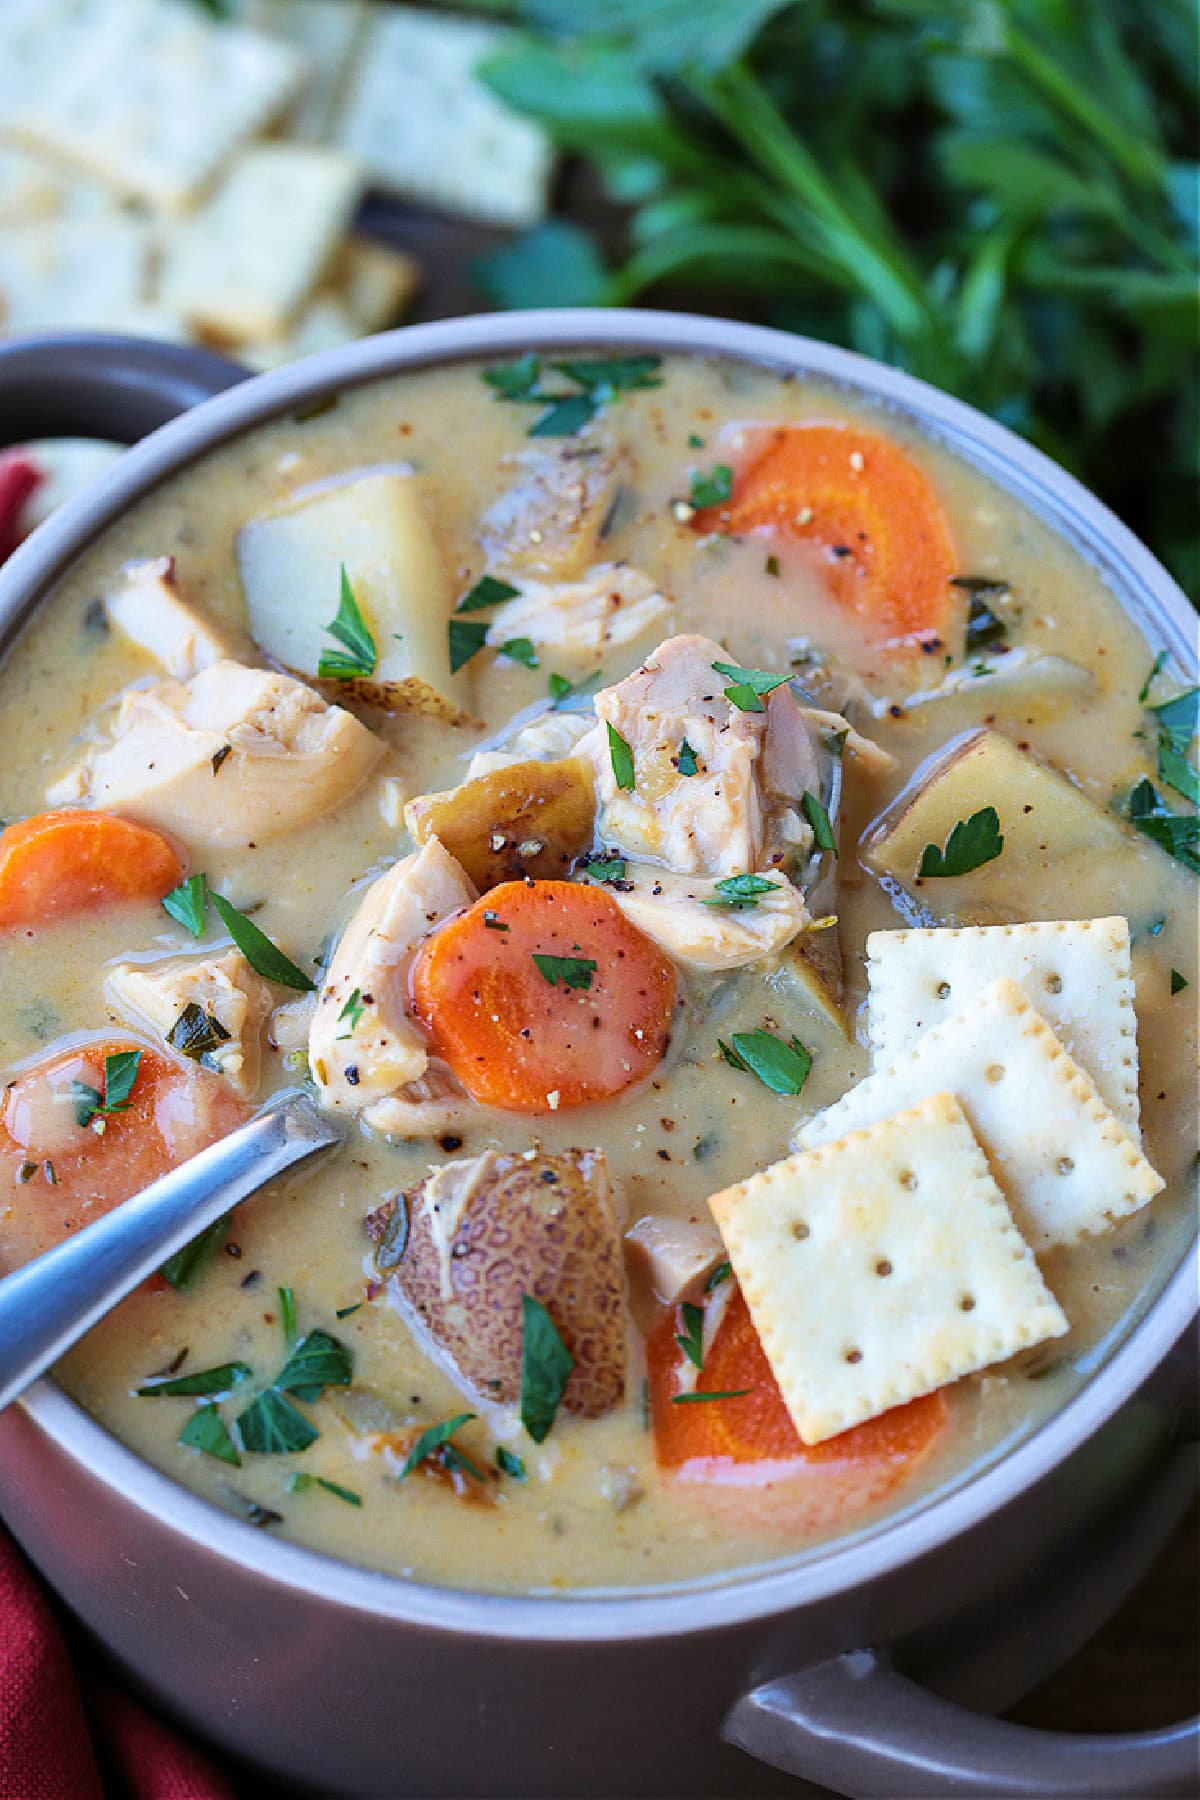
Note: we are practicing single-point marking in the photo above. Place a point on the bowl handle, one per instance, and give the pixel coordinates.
(857, 1726)
(77, 384)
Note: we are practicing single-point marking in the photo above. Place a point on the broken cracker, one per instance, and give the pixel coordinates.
(1075, 971)
(1065, 1163)
(882, 1266)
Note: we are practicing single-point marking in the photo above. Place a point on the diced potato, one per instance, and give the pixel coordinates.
(377, 527)
(1064, 856)
(528, 818)
(814, 962)
(552, 519)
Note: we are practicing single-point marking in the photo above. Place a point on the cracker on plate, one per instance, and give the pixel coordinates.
(1076, 972)
(881, 1266)
(329, 32)
(152, 98)
(88, 272)
(423, 126)
(1065, 1164)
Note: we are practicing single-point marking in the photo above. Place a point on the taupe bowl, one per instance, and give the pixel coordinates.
(346, 1681)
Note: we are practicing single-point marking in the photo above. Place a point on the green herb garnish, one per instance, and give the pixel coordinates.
(739, 893)
(514, 380)
(196, 1034)
(302, 1480)
(344, 1312)
(360, 655)
(1156, 669)
(818, 818)
(1176, 833)
(182, 1268)
(1178, 982)
(206, 1430)
(972, 842)
(781, 1067)
(1177, 718)
(605, 868)
(488, 591)
(691, 1338)
(713, 489)
(621, 757)
(561, 690)
(317, 1362)
(188, 903)
(509, 1464)
(572, 971)
(566, 411)
(264, 957)
(725, 1394)
(432, 1440)
(493, 922)
(287, 1315)
(546, 1366)
(352, 1012)
(521, 650)
(721, 1273)
(466, 638)
(687, 761)
(748, 686)
(206, 1382)
(120, 1073)
(1178, 772)
(272, 1426)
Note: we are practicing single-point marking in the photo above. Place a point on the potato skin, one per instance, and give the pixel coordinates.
(525, 1224)
(529, 818)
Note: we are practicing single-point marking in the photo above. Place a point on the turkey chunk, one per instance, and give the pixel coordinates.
(738, 810)
(231, 757)
(364, 1046)
(224, 988)
(685, 917)
(149, 610)
(580, 620)
(550, 737)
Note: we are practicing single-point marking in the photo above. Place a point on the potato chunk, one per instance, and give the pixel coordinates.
(528, 818)
(551, 520)
(377, 527)
(477, 1234)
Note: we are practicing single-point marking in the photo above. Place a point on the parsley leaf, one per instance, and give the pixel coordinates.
(605, 868)
(565, 415)
(318, 1361)
(352, 1012)
(614, 374)
(713, 489)
(432, 1440)
(207, 1382)
(120, 1073)
(272, 1426)
(302, 1480)
(818, 818)
(572, 971)
(724, 1394)
(781, 1067)
(691, 1338)
(514, 380)
(972, 842)
(546, 1366)
(181, 1268)
(264, 957)
(360, 655)
(195, 1033)
(1176, 833)
(521, 650)
(488, 591)
(206, 1430)
(621, 757)
(1156, 668)
(1178, 982)
(721, 1273)
(596, 383)
(1177, 718)
(562, 690)
(510, 1464)
(687, 761)
(748, 685)
(188, 903)
(287, 1315)
(1178, 772)
(466, 638)
(738, 893)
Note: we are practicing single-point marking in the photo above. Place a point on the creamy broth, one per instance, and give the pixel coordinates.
(595, 1510)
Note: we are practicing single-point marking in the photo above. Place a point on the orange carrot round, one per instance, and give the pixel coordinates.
(58, 1174)
(58, 864)
(544, 995)
(750, 1443)
(871, 513)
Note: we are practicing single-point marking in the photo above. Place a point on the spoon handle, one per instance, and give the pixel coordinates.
(49, 1304)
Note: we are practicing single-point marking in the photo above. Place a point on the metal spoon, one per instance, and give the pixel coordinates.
(50, 1303)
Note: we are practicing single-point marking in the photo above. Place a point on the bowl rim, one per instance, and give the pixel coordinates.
(1140, 584)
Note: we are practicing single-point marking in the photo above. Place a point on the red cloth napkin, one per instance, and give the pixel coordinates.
(67, 1733)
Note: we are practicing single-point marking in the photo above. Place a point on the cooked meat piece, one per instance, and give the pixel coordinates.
(149, 609)
(674, 1256)
(549, 738)
(580, 620)
(364, 1045)
(224, 988)
(231, 757)
(674, 910)
(550, 522)
(483, 1231)
(530, 818)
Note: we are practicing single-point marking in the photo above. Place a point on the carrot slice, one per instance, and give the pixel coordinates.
(588, 1020)
(58, 864)
(746, 1451)
(872, 515)
(58, 1175)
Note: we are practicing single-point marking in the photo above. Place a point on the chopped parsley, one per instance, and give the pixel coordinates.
(264, 957)
(772, 565)
(1178, 772)
(188, 903)
(721, 1273)
(1156, 669)
(546, 1366)
(509, 1464)
(748, 686)
(687, 761)
(572, 971)
(565, 411)
(691, 1338)
(317, 1362)
(1176, 833)
(521, 650)
(196, 1034)
(344, 1312)
(514, 380)
(287, 1315)
(722, 1394)
(818, 818)
(359, 655)
(1178, 982)
(621, 757)
(713, 488)
(493, 922)
(605, 868)
(120, 1073)
(434, 1439)
(984, 625)
(739, 893)
(466, 637)
(781, 1067)
(972, 842)
(352, 1012)
(488, 591)
(302, 1480)
(206, 1430)
(561, 690)
(181, 1269)
(1177, 718)
(272, 1426)
(202, 1382)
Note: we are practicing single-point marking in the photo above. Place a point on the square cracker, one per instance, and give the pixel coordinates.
(152, 98)
(243, 266)
(882, 1266)
(1065, 1165)
(1075, 971)
(84, 273)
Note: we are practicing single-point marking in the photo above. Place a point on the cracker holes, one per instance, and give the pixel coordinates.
(1054, 984)
(942, 990)
(1065, 1165)
(994, 1072)
(854, 1356)
(800, 1230)
(907, 1179)
(883, 1266)
(967, 1303)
